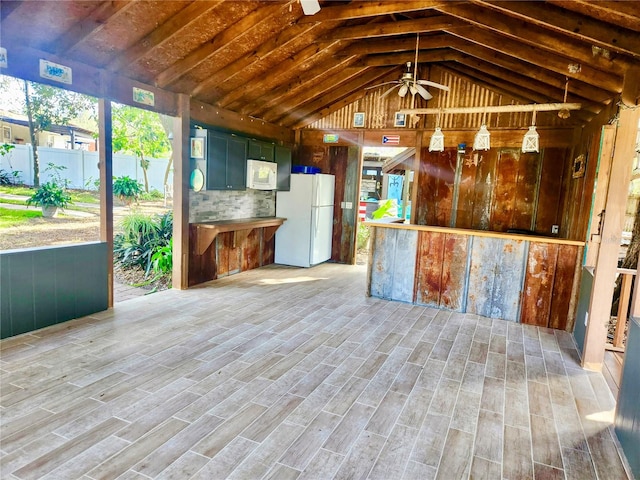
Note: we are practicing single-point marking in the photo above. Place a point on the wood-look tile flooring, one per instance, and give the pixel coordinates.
(283, 373)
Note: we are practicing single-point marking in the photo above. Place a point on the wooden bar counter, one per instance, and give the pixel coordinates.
(521, 278)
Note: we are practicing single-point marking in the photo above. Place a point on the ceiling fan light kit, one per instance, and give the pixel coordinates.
(436, 144)
(310, 7)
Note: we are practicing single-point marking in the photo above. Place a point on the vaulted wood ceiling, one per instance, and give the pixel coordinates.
(266, 59)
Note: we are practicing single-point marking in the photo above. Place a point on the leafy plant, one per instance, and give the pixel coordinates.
(56, 174)
(50, 195)
(154, 194)
(162, 259)
(126, 189)
(364, 233)
(140, 238)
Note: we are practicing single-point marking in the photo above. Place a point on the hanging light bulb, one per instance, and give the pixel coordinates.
(531, 140)
(436, 144)
(482, 140)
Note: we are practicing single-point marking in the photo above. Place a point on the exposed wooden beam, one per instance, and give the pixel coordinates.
(394, 45)
(624, 14)
(513, 28)
(187, 17)
(235, 33)
(542, 59)
(263, 54)
(90, 25)
(283, 72)
(181, 171)
(389, 29)
(368, 9)
(424, 56)
(579, 26)
(534, 107)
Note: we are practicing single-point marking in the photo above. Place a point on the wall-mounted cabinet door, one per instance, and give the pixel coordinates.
(283, 159)
(261, 150)
(227, 164)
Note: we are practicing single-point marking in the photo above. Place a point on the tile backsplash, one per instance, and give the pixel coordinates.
(211, 205)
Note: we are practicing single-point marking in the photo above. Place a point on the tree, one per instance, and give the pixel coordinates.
(46, 106)
(139, 132)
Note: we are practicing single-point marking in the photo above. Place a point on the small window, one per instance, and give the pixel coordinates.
(6, 134)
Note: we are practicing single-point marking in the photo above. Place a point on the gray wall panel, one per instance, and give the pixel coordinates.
(580, 328)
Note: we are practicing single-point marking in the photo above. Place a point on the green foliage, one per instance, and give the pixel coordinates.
(7, 178)
(5, 149)
(364, 233)
(50, 195)
(126, 189)
(152, 195)
(162, 259)
(12, 218)
(383, 211)
(140, 238)
(56, 174)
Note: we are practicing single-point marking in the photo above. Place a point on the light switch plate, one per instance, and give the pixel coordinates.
(555, 229)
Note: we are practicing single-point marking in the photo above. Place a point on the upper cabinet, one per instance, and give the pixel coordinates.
(283, 159)
(227, 162)
(261, 150)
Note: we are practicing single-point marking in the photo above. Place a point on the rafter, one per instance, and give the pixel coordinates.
(185, 18)
(368, 9)
(389, 29)
(579, 26)
(424, 56)
(624, 14)
(239, 31)
(392, 45)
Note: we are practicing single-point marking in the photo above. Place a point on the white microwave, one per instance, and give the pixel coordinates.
(262, 175)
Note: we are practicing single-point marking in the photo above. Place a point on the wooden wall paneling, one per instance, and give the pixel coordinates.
(268, 243)
(383, 246)
(504, 190)
(485, 253)
(563, 298)
(485, 180)
(538, 284)
(525, 193)
(435, 187)
(446, 178)
(313, 155)
(509, 276)
(202, 268)
(430, 254)
(350, 215)
(454, 276)
(466, 191)
(552, 173)
(338, 167)
(586, 201)
(251, 250)
(404, 265)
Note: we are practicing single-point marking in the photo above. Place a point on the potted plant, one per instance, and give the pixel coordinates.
(126, 189)
(50, 196)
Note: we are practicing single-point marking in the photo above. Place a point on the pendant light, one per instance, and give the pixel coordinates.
(531, 139)
(482, 140)
(436, 144)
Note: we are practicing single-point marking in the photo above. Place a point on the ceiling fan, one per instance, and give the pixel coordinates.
(409, 82)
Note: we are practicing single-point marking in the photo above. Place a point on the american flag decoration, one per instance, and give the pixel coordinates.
(391, 139)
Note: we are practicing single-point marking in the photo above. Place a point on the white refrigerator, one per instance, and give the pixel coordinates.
(305, 238)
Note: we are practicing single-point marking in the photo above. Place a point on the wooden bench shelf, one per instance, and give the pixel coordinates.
(242, 227)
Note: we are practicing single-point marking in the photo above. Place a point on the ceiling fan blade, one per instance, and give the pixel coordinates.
(423, 92)
(413, 89)
(310, 7)
(434, 84)
(388, 91)
(403, 90)
(381, 84)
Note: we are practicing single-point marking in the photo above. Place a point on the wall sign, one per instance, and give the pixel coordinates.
(391, 139)
(3, 58)
(144, 97)
(56, 72)
(330, 138)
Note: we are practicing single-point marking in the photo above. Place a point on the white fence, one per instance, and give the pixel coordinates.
(81, 167)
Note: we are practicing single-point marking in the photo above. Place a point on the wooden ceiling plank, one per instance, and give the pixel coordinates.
(312, 91)
(576, 25)
(302, 86)
(424, 56)
(263, 53)
(186, 17)
(540, 58)
(391, 45)
(237, 32)
(510, 63)
(535, 36)
(368, 9)
(91, 24)
(624, 14)
(280, 74)
(389, 29)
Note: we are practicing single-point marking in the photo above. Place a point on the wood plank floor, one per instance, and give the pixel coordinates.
(284, 373)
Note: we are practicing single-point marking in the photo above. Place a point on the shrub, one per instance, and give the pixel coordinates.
(162, 259)
(126, 189)
(364, 233)
(50, 194)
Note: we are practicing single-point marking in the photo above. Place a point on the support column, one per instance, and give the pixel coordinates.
(607, 262)
(105, 165)
(180, 274)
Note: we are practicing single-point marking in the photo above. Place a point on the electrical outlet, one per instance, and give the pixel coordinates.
(555, 229)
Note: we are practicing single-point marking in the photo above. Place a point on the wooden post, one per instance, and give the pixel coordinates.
(623, 306)
(607, 262)
(105, 165)
(180, 273)
(416, 176)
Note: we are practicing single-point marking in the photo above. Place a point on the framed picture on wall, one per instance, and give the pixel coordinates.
(197, 148)
(358, 119)
(579, 164)
(400, 120)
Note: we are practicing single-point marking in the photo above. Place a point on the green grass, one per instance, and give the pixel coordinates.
(77, 196)
(13, 218)
(16, 190)
(12, 201)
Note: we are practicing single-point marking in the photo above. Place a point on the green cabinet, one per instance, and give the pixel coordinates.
(226, 161)
(261, 151)
(283, 159)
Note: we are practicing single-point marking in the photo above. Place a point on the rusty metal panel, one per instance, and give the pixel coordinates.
(538, 284)
(563, 287)
(454, 272)
(466, 190)
(485, 253)
(251, 250)
(485, 180)
(549, 198)
(383, 248)
(404, 265)
(504, 190)
(525, 191)
(429, 268)
(507, 285)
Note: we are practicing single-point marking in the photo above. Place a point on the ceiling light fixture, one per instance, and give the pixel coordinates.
(531, 139)
(436, 144)
(482, 140)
